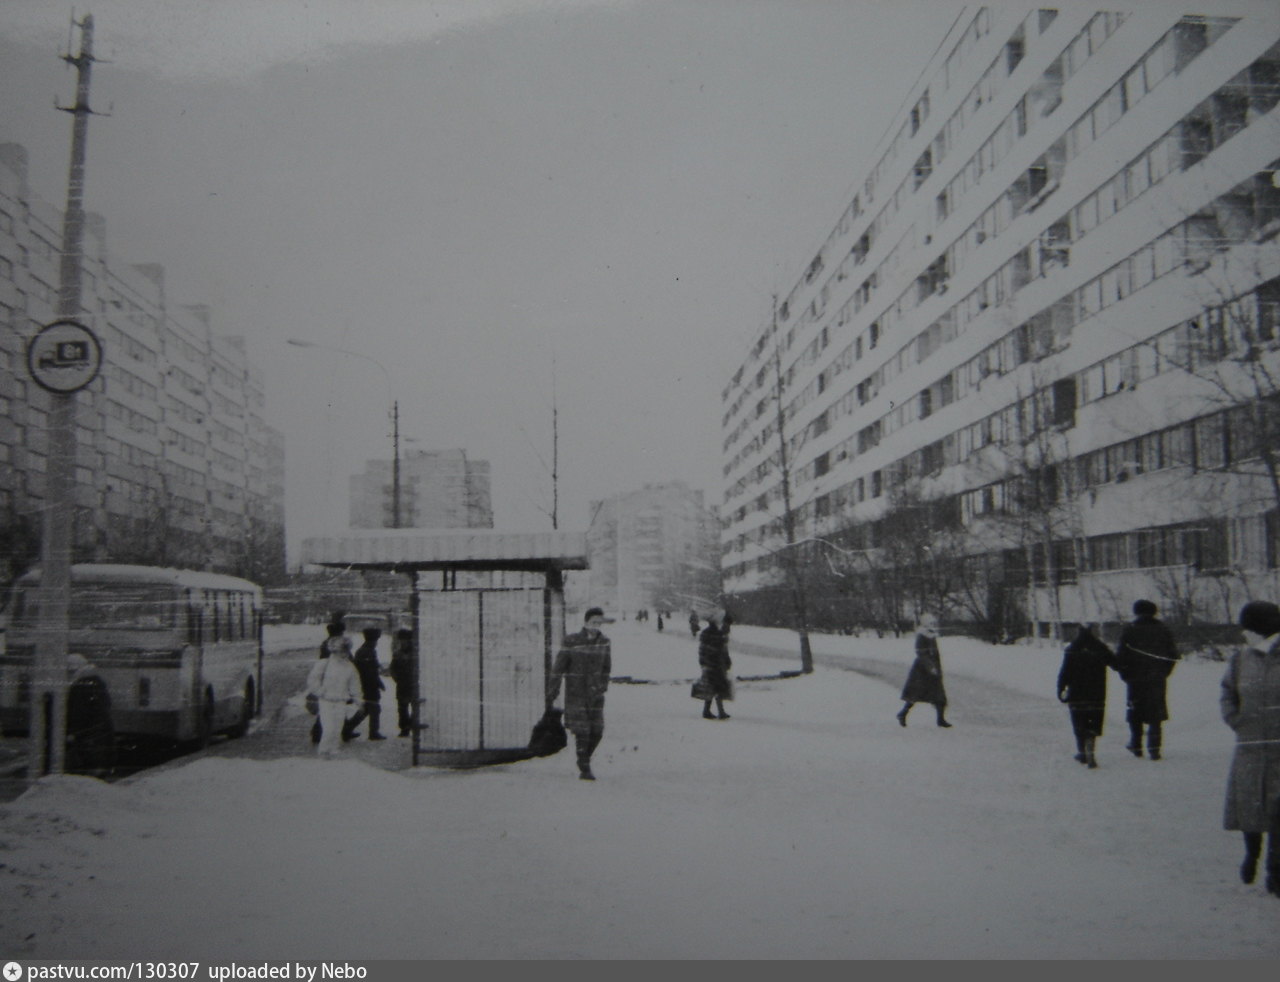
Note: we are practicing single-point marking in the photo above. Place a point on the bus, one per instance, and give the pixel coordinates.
(179, 652)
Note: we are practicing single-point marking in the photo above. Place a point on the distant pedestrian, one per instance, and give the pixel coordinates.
(1145, 658)
(402, 672)
(924, 680)
(1250, 702)
(713, 659)
(337, 685)
(335, 636)
(1082, 685)
(371, 686)
(659, 620)
(583, 663)
(693, 622)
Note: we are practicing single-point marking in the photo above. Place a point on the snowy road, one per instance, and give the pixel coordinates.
(808, 826)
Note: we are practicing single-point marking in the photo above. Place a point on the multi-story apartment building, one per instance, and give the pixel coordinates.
(654, 548)
(438, 489)
(175, 463)
(1031, 374)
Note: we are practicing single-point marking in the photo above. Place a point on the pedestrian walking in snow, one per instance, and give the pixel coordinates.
(583, 663)
(659, 620)
(693, 623)
(336, 684)
(335, 636)
(371, 686)
(401, 671)
(1145, 658)
(1082, 685)
(713, 659)
(924, 680)
(1250, 702)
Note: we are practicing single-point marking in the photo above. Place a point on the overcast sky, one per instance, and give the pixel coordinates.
(469, 191)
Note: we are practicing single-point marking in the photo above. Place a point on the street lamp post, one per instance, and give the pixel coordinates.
(395, 418)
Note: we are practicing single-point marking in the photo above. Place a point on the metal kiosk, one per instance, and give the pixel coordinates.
(488, 615)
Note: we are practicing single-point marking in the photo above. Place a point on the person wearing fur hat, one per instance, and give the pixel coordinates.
(924, 678)
(1250, 702)
(713, 659)
(583, 663)
(1145, 658)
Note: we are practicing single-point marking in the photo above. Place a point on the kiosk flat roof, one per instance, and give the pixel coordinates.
(428, 549)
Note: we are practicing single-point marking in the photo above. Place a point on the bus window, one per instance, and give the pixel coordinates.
(195, 617)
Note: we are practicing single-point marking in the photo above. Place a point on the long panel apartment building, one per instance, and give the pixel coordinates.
(1032, 372)
(175, 463)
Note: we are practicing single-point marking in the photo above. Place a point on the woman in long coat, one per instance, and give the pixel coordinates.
(1250, 704)
(713, 659)
(1082, 685)
(924, 681)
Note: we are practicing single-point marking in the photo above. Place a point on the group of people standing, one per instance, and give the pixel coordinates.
(348, 686)
(1145, 657)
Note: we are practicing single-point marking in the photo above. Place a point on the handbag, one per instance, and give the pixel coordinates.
(313, 704)
(548, 736)
(700, 690)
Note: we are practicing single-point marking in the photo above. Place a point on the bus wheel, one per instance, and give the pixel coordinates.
(204, 726)
(246, 712)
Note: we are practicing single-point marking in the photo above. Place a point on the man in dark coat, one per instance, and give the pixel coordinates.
(584, 663)
(713, 659)
(371, 686)
(401, 671)
(1145, 658)
(1082, 685)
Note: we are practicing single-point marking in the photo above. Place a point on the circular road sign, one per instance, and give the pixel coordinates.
(64, 357)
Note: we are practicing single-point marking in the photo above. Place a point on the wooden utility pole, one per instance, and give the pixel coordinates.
(48, 720)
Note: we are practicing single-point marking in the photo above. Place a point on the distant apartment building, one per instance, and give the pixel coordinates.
(175, 462)
(653, 548)
(437, 489)
(1032, 372)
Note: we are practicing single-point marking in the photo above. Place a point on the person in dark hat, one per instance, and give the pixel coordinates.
(1145, 658)
(402, 672)
(1250, 703)
(583, 663)
(371, 686)
(335, 638)
(1082, 685)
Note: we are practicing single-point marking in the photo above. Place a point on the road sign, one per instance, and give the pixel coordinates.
(64, 357)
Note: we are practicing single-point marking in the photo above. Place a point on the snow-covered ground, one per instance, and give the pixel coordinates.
(810, 825)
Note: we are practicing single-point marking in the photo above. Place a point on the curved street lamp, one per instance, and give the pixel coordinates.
(395, 417)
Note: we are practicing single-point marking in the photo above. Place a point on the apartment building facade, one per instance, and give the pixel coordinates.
(653, 548)
(1031, 374)
(438, 489)
(175, 462)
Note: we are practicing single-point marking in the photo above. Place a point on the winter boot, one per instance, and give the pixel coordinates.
(1089, 759)
(902, 716)
(942, 721)
(1252, 853)
(1134, 746)
(584, 771)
